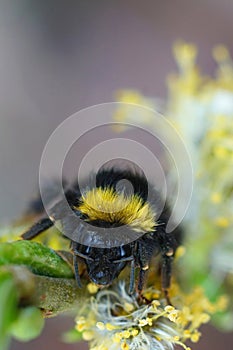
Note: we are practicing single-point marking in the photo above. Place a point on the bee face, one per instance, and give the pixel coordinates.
(102, 271)
(103, 265)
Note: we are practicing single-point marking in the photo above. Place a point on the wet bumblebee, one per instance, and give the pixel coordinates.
(110, 227)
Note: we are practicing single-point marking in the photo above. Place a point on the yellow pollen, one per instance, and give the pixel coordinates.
(222, 222)
(173, 315)
(92, 288)
(169, 308)
(87, 335)
(205, 318)
(110, 327)
(105, 204)
(185, 53)
(126, 334)
(155, 303)
(128, 307)
(195, 337)
(149, 321)
(134, 332)
(81, 324)
(216, 198)
(117, 337)
(100, 326)
(142, 323)
(221, 152)
(124, 346)
(180, 252)
(222, 303)
(176, 338)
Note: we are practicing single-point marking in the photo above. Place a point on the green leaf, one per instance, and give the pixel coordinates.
(8, 307)
(28, 325)
(38, 258)
(223, 321)
(72, 336)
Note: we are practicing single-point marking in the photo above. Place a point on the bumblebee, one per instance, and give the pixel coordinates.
(115, 227)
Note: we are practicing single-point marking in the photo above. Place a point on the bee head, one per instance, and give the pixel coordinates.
(102, 271)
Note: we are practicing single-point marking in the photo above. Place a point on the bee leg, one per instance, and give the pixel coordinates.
(144, 266)
(75, 264)
(132, 277)
(166, 272)
(141, 279)
(76, 271)
(37, 228)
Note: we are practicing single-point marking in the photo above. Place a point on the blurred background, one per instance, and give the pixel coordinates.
(57, 57)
